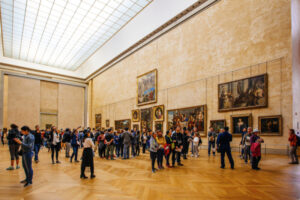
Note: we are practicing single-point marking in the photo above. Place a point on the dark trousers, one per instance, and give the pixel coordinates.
(185, 150)
(211, 144)
(118, 148)
(54, 148)
(153, 156)
(247, 153)
(27, 165)
(121, 150)
(228, 152)
(126, 151)
(133, 150)
(176, 156)
(160, 157)
(102, 150)
(144, 147)
(2, 140)
(75, 152)
(36, 151)
(110, 151)
(137, 150)
(87, 160)
(255, 161)
(168, 158)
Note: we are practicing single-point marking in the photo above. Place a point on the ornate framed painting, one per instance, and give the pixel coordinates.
(189, 118)
(146, 119)
(270, 125)
(147, 88)
(135, 115)
(217, 124)
(239, 122)
(246, 93)
(98, 121)
(158, 113)
(136, 126)
(107, 123)
(159, 125)
(122, 124)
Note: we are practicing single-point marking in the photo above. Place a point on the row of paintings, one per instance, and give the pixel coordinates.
(241, 94)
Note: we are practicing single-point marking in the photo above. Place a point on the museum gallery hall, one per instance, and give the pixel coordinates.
(149, 99)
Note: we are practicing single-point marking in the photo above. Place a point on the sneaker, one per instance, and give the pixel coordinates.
(10, 168)
(27, 184)
(17, 167)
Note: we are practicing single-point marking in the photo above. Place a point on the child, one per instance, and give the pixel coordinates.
(195, 146)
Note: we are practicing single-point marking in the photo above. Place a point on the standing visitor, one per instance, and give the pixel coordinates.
(138, 142)
(38, 142)
(244, 133)
(109, 141)
(153, 150)
(256, 141)
(144, 140)
(169, 147)
(126, 141)
(75, 143)
(101, 145)
(55, 139)
(247, 144)
(293, 144)
(211, 141)
(223, 141)
(117, 143)
(87, 155)
(2, 136)
(196, 143)
(160, 152)
(67, 140)
(133, 142)
(186, 140)
(27, 153)
(178, 141)
(13, 146)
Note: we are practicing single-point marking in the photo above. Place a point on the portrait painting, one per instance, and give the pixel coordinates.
(107, 123)
(122, 124)
(136, 126)
(217, 124)
(243, 94)
(270, 125)
(189, 118)
(159, 125)
(158, 113)
(98, 121)
(146, 119)
(147, 88)
(239, 122)
(135, 115)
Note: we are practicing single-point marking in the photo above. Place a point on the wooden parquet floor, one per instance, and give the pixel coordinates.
(199, 178)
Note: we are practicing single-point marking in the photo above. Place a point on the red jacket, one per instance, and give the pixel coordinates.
(293, 140)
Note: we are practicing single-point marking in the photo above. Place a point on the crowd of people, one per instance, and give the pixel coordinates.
(125, 144)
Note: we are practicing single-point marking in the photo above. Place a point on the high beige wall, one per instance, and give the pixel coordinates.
(49, 97)
(70, 106)
(223, 43)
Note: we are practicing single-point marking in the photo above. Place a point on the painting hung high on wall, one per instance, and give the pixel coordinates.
(239, 122)
(122, 124)
(135, 115)
(159, 125)
(217, 124)
(270, 125)
(147, 88)
(146, 119)
(158, 113)
(98, 121)
(243, 94)
(189, 118)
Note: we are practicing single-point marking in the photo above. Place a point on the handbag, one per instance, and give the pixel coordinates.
(20, 153)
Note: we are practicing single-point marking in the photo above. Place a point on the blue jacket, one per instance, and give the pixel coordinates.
(28, 143)
(116, 139)
(224, 140)
(74, 140)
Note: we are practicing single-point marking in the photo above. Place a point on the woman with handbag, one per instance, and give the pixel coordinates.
(87, 155)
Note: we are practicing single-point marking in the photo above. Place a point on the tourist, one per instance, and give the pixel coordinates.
(109, 141)
(87, 155)
(27, 153)
(153, 150)
(256, 141)
(169, 147)
(247, 144)
(144, 140)
(101, 145)
(13, 146)
(293, 144)
(55, 139)
(38, 142)
(138, 142)
(211, 141)
(160, 152)
(196, 141)
(117, 143)
(223, 141)
(178, 141)
(133, 142)
(75, 143)
(2, 136)
(126, 136)
(67, 140)
(244, 132)
(186, 141)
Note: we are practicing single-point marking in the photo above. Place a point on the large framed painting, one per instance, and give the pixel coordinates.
(136, 126)
(189, 118)
(135, 115)
(239, 122)
(158, 113)
(122, 124)
(159, 125)
(98, 121)
(217, 124)
(146, 119)
(107, 123)
(147, 88)
(270, 125)
(243, 94)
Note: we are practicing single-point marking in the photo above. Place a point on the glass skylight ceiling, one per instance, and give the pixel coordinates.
(62, 33)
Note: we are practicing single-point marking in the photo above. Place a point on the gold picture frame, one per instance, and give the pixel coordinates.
(217, 124)
(159, 113)
(122, 124)
(98, 120)
(159, 125)
(270, 125)
(239, 122)
(135, 115)
(147, 88)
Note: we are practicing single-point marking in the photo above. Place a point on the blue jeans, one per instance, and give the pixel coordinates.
(211, 144)
(75, 152)
(36, 151)
(228, 152)
(126, 151)
(27, 165)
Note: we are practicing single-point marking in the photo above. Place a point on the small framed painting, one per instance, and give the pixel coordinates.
(135, 115)
(107, 123)
(159, 125)
(270, 125)
(158, 113)
(217, 124)
(239, 122)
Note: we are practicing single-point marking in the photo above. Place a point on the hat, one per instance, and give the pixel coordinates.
(256, 130)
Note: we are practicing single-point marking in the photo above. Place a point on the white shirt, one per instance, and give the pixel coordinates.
(55, 138)
(196, 140)
(88, 143)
